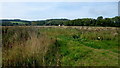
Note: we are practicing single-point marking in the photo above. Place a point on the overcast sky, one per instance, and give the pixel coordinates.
(50, 10)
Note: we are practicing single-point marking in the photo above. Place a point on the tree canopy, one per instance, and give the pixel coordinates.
(100, 21)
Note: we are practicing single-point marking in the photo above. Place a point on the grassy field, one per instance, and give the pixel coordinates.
(60, 46)
(18, 22)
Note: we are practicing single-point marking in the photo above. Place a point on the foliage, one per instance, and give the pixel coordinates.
(100, 21)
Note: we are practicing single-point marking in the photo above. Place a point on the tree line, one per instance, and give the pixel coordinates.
(100, 21)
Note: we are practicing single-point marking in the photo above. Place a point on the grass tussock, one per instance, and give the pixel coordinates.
(26, 49)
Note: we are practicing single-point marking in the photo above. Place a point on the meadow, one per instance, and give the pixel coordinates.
(60, 46)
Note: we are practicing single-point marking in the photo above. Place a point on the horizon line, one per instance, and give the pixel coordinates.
(55, 18)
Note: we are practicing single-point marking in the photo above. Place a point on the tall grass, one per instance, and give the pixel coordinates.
(23, 47)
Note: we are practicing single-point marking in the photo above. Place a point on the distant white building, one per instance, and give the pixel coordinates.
(114, 21)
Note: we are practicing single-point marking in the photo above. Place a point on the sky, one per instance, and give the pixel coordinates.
(59, 0)
(57, 10)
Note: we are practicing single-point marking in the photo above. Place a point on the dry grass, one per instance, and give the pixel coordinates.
(29, 52)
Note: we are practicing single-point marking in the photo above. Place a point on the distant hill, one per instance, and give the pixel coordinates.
(15, 22)
(100, 21)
